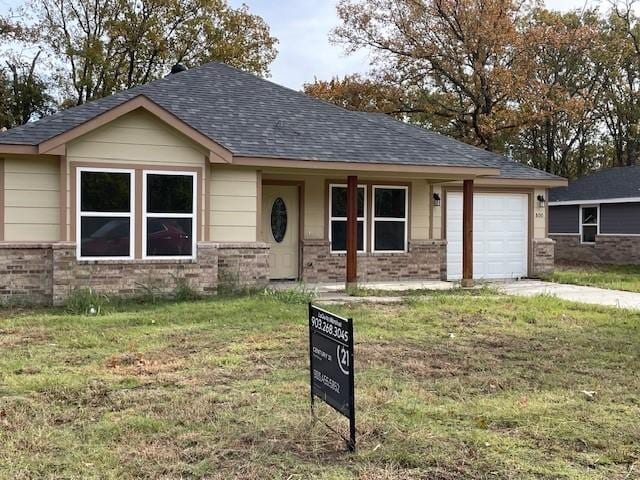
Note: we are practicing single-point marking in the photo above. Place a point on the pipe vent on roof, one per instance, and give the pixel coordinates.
(177, 68)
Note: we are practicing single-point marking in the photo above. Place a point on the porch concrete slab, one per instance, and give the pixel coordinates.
(400, 286)
(574, 293)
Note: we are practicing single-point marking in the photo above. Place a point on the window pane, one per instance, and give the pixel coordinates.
(389, 236)
(390, 202)
(589, 234)
(105, 192)
(339, 235)
(169, 236)
(590, 215)
(104, 237)
(169, 194)
(339, 202)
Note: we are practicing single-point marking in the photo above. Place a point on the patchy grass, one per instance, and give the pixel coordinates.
(447, 387)
(615, 277)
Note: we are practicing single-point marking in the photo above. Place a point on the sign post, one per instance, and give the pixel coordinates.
(331, 365)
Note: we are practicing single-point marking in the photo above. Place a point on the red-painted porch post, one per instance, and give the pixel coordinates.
(352, 231)
(467, 233)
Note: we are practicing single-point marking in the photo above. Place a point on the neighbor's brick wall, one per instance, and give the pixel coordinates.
(608, 249)
(132, 278)
(425, 260)
(25, 273)
(543, 257)
(243, 264)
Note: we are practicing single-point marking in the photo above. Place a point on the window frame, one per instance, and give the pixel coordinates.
(193, 215)
(131, 215)
(582, 224)
(375, 218)
(363, 219)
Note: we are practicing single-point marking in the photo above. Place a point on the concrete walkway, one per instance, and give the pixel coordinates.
(334, 292)
(574, 293)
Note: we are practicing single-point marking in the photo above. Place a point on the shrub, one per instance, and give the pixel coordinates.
(298, 294)
(87, 301)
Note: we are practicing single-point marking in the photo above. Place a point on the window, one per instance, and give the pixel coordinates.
(589, 227)
(338, 218)
(390, 219)
(105, 214)
(169, 200)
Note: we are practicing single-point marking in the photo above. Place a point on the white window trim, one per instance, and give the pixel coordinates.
(390, 219)
(344, 219)
(582, 224)
(131, 215)
(193, 216)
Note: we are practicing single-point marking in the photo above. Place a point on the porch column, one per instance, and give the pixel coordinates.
(352, 231)
(467, 233)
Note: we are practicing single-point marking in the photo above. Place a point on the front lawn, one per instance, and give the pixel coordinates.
(615, 277)
(447, 387)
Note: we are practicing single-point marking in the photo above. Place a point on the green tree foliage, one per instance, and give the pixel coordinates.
(110, 45)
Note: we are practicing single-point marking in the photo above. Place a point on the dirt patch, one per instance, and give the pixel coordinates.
(138, 365)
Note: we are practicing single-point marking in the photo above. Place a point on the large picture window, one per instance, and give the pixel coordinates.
(169, 219)
(589, 223)
(105, 199)
(390, 205)
(338, 218)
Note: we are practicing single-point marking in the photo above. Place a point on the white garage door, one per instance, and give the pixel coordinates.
(500, 224)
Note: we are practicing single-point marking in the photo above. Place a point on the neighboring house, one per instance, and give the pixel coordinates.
(596, 219)
(214, 175)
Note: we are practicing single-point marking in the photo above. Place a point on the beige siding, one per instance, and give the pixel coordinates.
(316, 202)
(136, 139)
(437, 213)
(32, 199)
(420, 210)
(539, 215)
(233, 193)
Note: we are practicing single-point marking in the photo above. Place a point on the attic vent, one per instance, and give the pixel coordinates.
(177, 68)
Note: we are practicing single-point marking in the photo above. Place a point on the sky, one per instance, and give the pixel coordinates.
(303, 27)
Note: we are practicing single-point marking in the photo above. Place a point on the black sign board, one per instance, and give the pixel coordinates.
(331, 358)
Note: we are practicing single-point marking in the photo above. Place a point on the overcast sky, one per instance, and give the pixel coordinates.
(303, 27)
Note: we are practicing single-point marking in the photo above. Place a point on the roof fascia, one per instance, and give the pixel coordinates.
(217, 153)
(525, 182)
(592, 201)
(13, 149)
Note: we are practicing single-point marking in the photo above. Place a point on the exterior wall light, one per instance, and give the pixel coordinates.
(436, 200)
(541, 201)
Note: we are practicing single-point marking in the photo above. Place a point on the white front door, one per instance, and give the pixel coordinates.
(500, 233)
(280, 228)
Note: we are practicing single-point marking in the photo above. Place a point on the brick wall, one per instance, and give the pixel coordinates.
(543, 257)
(132, 278)
(425, 260)
(25, 273)
(243, 264)
(608, 249)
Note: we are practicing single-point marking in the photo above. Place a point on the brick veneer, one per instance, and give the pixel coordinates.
(608, 249)
(543, 257)
(25, 273)
(132, 277)
(46, 273)
(425, 260)
(244, 264)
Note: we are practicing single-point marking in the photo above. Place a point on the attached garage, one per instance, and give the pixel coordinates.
(500, 235)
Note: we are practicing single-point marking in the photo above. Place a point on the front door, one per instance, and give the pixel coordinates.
(280, 228)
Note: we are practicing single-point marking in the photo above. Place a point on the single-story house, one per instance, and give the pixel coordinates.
(214, 175)
(596, 219)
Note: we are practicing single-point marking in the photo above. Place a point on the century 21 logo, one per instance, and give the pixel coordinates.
(343, 359)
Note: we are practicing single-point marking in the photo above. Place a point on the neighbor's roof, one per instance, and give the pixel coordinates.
(252, 117)
(613, 183)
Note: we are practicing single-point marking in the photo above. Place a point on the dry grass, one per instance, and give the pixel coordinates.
(447, 387)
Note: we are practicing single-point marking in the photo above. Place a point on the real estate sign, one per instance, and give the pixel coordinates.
(331, 359)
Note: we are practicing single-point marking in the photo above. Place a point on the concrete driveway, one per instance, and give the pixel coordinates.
(575, 293)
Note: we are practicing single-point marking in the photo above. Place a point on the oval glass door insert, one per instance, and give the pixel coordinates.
(278, 220)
